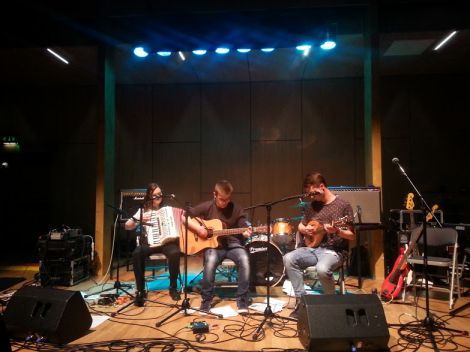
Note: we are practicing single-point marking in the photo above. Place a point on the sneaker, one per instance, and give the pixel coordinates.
(140, 297)
(242, 306)
(174, 294)
(205, 307)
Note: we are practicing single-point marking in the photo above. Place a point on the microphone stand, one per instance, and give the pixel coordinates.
(428, 323)
(185, 304)
(117, 284)
(268, 313)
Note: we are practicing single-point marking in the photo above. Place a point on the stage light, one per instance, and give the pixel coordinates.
(267, 50)
(140, 52)
(180, 53)
(222, 50)
(199, 52)
(329, 41)
(305, 48)
(243, 50)
(328, 45)
(164, 53)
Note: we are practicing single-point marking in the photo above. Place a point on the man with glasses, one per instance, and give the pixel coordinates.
(221, 207)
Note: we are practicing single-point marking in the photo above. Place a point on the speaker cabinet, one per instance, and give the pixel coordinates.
(365, 201)
(60, 316)
(131, 201)
(339, 322)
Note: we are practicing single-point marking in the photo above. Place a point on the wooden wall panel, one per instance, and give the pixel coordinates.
(226, 135)
(177, 113)
(134, 136)
(328, 127)
(276, 174)
(73, 186)
(276, 111)
(177, 168)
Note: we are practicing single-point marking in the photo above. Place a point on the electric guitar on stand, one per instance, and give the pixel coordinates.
(393, 283)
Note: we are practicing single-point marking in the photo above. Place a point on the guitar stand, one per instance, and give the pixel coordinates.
(428, 325)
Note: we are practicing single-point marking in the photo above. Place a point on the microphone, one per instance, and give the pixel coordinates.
(397, 161)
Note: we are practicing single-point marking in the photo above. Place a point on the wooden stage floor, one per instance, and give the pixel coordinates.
(134, 329)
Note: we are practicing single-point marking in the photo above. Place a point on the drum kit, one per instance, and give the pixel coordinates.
(283, 231)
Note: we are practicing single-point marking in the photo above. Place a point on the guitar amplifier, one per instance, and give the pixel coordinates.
(365, 201)
(131, 201)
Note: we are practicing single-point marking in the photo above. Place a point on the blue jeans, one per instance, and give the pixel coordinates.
(325, 260)
(212, 258)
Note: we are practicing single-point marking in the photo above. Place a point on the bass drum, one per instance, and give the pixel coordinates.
(257, 250)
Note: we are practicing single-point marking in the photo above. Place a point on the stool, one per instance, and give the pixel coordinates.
(311, 272)
(156, 262)
(228, 269)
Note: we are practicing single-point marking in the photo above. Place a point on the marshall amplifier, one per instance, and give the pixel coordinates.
(365, 201)
(131, 201)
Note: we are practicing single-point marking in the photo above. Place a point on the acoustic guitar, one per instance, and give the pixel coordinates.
(215, 229)
(313, 240)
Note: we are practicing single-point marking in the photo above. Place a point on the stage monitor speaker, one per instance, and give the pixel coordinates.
(342, 322)
(59, 316)
(4, 337)
(365, 201)
(131, 201)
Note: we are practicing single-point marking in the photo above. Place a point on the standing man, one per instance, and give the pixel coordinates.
(325, 243)
(231, 215)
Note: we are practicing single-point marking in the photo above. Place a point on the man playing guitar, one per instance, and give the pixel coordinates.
(325, 241)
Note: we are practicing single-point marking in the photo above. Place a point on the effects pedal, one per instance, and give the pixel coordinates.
(199, 327)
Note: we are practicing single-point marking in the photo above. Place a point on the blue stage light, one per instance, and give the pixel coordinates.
(328, 45)
(140, 52)
(243, 50)
(164, 53)
(267, 50)
(199, 52)
(222, 50)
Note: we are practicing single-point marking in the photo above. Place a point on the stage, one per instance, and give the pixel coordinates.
(134, 328)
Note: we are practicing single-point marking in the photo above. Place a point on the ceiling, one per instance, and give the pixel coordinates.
(407, 31)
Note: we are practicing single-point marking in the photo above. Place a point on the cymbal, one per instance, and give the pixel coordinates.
(300, 205)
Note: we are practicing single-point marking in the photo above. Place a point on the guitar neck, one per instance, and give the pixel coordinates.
(237, 231)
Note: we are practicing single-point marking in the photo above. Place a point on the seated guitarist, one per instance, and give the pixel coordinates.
(231, 247)
(324, 242)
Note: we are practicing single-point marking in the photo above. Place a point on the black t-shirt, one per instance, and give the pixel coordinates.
(327, 213)
(232, 216)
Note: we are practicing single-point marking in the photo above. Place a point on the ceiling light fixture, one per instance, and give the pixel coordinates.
(57, 56)
(445, 40)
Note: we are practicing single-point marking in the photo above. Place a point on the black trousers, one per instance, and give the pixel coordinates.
(141, 253)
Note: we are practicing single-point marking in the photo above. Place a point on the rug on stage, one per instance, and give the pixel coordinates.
(7, 282)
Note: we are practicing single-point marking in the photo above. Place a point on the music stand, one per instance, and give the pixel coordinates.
(185, 305)
(268, 313)
(428, 323)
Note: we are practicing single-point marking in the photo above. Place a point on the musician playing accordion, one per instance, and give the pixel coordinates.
(150, 243)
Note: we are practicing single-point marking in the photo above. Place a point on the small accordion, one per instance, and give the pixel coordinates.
(166, 226)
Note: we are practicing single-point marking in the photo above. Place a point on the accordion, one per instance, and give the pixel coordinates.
(166, 226)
